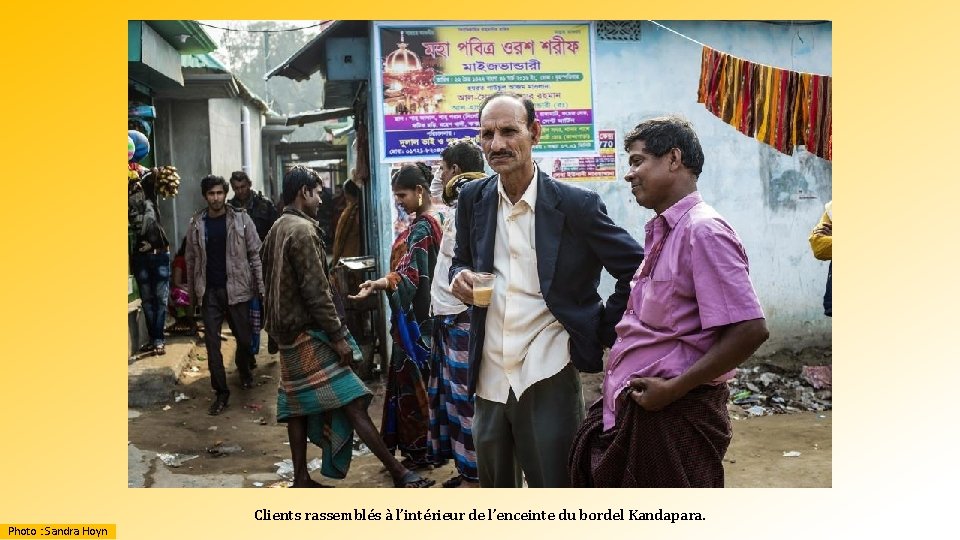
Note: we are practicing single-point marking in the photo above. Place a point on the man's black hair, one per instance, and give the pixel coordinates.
(464, 154)
(411, 176)
(211, 181)
(660, 135)
(297, 177)
(351, 189)
(239, 176)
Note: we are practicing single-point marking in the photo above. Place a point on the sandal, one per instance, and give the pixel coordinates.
(159, 350)
(413, 480)
(453, 482)
(147, 347)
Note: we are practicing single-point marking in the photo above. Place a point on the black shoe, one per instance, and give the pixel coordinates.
(272, 346)
(217, 406)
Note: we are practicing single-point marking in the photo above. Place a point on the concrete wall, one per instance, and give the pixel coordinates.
(158, 54)
(772, 200)
(256, 151)
(257, 178)
(226, 136)
(183, 140)
(226, 149)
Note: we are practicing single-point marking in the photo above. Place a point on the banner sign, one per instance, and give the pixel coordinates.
(432, 79)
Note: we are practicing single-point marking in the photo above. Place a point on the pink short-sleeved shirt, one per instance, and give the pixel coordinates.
(698, 284)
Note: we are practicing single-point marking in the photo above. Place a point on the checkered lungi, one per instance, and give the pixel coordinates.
(315, 385)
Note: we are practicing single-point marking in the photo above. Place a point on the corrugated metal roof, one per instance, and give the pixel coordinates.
(208, 62)
(253, 98)
(201, 61)
(185, 36)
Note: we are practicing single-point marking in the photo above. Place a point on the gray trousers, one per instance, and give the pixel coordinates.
(532, 435)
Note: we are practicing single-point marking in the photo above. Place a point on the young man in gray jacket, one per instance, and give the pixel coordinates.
(224, 274)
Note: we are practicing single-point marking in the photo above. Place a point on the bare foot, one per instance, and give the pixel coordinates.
(310, 483)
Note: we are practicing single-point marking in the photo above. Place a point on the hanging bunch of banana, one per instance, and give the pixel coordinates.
(168, 182)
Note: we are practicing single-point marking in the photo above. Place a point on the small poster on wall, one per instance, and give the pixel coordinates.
(601, 167)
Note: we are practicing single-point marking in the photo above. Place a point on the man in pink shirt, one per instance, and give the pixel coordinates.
(691, 319)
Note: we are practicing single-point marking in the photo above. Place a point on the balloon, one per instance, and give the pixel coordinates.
(142, 144)
(131, 148)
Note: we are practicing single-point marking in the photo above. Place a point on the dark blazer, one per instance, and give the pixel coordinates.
(575, 238)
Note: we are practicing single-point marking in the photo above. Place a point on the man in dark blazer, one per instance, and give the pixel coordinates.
(545, 242)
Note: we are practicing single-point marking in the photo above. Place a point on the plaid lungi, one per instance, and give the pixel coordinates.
(451, 406)
(680, 446)
(315, 385)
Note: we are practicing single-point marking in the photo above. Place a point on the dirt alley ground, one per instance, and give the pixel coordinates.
(755, 457)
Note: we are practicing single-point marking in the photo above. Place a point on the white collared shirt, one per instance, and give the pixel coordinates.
(443, 302)
(519, 326)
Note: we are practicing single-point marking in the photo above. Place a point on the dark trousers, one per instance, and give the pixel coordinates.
(152, 272)
(828, 294)
(533, 434)
(215, 309)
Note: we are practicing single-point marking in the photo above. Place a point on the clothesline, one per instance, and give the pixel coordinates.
(688, 38)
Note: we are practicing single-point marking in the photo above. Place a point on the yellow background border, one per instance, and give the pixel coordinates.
(62, 321)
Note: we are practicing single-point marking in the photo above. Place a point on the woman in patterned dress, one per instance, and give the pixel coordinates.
(413, 259)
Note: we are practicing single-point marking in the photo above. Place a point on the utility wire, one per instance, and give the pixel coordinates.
(321, 23)
(688, 38)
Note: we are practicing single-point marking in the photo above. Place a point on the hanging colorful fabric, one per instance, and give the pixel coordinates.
(779, 107)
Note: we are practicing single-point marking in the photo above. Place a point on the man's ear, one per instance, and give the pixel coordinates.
(676, 159)
(536, 130)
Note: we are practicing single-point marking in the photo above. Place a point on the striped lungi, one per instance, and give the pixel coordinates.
(315, 385)
(680, 446)
(451, 407)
